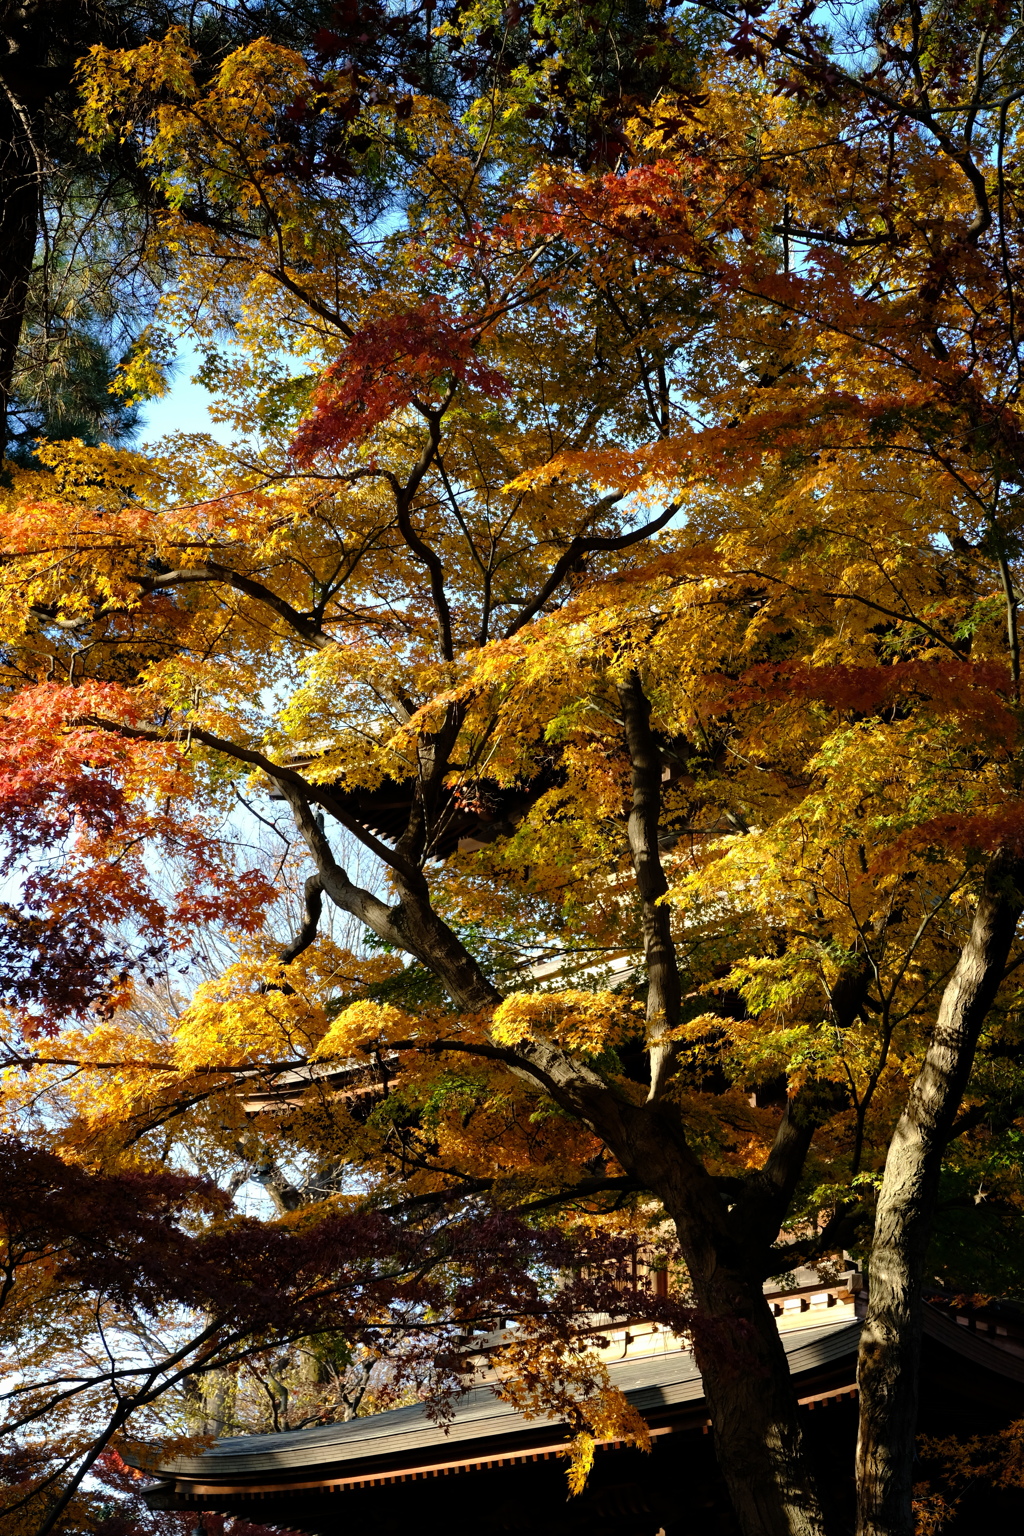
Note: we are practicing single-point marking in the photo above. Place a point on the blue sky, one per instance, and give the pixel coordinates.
(185, 408)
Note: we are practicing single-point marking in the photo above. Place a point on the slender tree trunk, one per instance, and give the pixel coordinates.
(663, 985)
(891, 1340)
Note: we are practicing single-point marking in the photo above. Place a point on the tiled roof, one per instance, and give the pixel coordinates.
(653, 1383)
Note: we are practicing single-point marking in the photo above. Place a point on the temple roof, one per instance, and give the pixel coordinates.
(654, 1384)
(499, 1473)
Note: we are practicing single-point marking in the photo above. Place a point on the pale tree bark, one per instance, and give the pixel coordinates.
(891, 1339)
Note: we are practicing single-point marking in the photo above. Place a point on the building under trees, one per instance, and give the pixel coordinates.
(546, 788)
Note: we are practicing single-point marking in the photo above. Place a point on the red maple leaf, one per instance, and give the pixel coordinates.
(416, 355)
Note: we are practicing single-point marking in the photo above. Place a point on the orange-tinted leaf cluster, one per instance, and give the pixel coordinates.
(81, 805)
(977, 690)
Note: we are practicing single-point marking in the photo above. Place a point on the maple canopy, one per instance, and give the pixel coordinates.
(574, 727)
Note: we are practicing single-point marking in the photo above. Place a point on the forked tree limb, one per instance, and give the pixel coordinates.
(584, 545)
(292, 784)
(411, 924)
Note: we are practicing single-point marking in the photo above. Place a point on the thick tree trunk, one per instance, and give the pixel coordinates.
(752, 1407)
(750, 1397)
(746, 1374)
(891, 1339)
(751, 1402)
(19, 206)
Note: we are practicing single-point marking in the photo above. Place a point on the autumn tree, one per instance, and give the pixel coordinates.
(138, 1301)
(82, 263)
(621, 555)
(884, 272)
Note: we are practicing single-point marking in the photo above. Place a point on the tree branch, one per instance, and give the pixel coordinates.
(403, 506)
(316, 794)
(585, 1187)
(330, 877)
(583, 546)
(211, 571)
(312, 908)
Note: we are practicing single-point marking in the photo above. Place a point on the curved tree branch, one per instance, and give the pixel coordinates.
(211, 571)
(583, 546)
(312, 907)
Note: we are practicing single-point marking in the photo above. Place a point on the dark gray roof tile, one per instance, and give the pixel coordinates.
(651, 1382)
